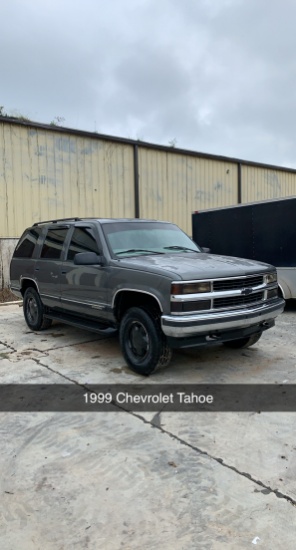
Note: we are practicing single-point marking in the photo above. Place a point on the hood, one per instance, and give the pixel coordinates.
(190, 266)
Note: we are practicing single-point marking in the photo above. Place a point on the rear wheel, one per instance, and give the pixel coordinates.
(143, 344)
(243, 342)
(34, 311)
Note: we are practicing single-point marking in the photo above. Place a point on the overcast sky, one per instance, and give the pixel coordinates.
(215, 76)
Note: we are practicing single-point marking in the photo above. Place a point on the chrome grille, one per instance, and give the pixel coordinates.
(236, 284)
(232, 301)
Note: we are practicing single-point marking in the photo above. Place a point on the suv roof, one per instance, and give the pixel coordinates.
(105, 220)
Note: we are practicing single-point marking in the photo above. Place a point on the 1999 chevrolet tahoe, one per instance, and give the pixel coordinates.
(146, 278)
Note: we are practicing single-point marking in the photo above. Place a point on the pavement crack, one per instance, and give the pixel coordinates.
(156, 423)
(39, 362)
(267, 488)
(8, 346)
(72, 345)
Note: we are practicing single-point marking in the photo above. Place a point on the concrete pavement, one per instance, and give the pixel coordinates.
(127, 480)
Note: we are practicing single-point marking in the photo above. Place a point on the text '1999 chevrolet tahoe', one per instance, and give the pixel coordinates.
(146, 278)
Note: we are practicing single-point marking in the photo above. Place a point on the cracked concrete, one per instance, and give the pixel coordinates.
(266, 489)
(128, 480)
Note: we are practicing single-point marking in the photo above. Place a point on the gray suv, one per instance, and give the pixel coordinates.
(146, 278)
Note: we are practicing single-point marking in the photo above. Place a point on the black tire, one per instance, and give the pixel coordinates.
(34, 311)
(243, 342)
(142, 342)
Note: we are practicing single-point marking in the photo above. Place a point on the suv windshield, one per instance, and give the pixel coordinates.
(142, 238)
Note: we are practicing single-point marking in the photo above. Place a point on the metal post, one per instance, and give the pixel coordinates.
(136, 182)
(239, 183)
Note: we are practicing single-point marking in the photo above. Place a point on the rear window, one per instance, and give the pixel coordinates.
(27, 243)
(53, 244)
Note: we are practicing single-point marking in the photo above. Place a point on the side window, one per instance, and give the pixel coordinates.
(53, 244)
(82, 241)
(26, 245)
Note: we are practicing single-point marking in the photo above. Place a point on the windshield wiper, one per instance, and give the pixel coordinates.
(180, 248)
(138, 250)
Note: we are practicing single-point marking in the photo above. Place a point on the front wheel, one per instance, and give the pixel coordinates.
(143, 344)
(243, 342)
(34, 310)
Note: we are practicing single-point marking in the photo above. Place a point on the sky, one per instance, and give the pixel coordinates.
(213, 76)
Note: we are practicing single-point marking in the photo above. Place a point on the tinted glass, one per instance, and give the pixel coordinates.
(82, 241)
(53, 244)
(25, 247)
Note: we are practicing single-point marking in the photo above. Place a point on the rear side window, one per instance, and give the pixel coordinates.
(27, 243)
(53, 244)
(82, 241)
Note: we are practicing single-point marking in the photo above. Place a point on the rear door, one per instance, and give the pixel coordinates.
(49, 264)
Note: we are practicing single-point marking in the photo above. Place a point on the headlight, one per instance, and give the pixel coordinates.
(271, 278)
(191, 288)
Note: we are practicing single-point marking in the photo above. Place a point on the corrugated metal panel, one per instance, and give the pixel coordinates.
(264, 183)
(46, 174)
(172, 186)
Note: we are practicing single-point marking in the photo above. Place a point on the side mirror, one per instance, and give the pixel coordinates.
(87, 258)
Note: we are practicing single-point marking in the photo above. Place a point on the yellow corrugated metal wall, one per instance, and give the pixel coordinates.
(260, 183)
(47, 174)
(172, 185)
(51, 172)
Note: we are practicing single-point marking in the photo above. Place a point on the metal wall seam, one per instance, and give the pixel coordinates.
(172, 186)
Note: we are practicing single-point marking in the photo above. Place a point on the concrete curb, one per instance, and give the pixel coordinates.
(19, 302)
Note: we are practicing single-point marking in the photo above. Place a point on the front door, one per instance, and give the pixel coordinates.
(84, 287)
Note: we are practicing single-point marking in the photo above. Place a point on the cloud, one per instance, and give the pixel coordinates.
(216, 75)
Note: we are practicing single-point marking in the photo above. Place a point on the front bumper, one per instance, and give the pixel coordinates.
(177, 326)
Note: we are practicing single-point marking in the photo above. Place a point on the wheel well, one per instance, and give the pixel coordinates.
(284, 290)
(126, 299)
(27, 283)
(280, 291)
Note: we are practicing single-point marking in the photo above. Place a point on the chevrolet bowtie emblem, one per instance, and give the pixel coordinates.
(247, 291)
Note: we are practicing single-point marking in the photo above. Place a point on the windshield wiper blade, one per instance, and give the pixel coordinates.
(180, 248)
(138, 250)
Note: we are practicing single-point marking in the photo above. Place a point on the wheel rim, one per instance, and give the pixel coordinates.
(138, 340)
(32, 310)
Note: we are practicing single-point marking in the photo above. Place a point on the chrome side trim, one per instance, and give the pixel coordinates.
(50, 296)
(85, 303)
(138, 291)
